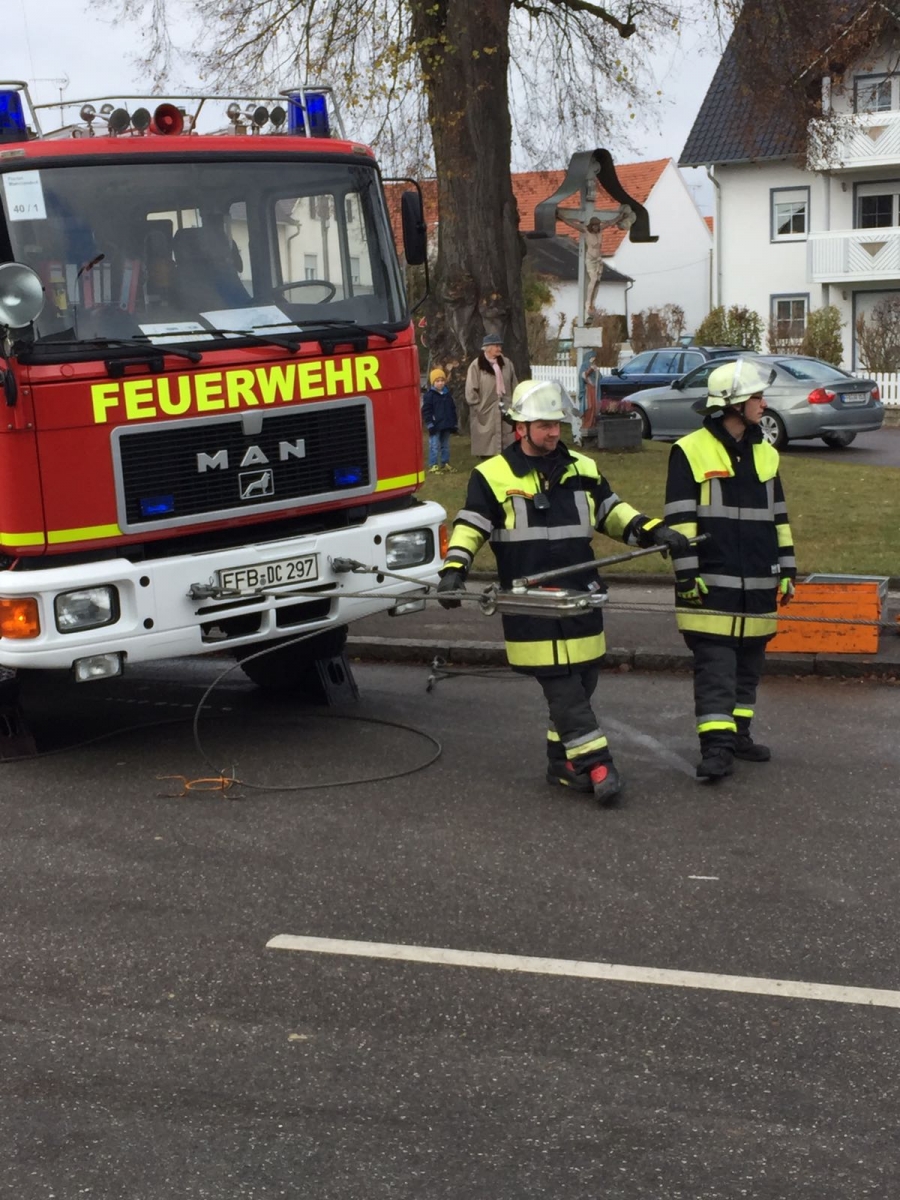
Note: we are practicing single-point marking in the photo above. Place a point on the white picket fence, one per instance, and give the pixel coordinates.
(567, 376)
(889, 385)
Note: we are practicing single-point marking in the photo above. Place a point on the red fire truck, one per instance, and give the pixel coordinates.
(210, 386)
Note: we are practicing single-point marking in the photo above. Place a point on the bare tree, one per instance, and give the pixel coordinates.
(878, 336)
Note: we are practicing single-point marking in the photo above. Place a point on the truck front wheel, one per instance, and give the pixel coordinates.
(291, 668)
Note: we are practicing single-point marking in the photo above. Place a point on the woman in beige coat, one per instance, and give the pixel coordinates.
(490, 383)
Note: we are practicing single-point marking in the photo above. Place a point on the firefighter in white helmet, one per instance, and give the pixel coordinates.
(539, 503)
(723, 481)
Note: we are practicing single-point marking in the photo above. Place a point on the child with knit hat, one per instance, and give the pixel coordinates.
(439, 418)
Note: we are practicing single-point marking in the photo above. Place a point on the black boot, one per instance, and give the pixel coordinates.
(716, 764)
(607, 784)
(745, 748)
(716, 756)
(564, 773)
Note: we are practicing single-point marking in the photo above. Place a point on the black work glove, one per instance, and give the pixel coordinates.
(673, 541)
(452, 580)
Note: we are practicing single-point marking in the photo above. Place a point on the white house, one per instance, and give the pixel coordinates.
(676, 269)
(798, 227)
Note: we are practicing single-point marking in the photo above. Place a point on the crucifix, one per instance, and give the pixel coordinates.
(590, 223)
(587, 169)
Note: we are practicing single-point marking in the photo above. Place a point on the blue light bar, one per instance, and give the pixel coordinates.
(157, 506)
(317, 114)
(348, 476)
(296, 125)
(315, 105)
(12, 118)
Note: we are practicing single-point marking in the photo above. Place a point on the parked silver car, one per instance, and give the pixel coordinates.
(808, 399)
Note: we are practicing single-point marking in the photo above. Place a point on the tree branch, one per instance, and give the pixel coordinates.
(624, 28)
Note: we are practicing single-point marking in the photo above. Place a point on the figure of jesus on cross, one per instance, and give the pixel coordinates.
(591, 230)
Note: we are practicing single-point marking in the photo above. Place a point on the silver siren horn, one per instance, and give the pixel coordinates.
(21, 295)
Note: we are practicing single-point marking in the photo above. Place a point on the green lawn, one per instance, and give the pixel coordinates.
(845, 518)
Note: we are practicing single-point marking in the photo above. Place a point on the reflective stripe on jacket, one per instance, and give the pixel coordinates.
(731, 491)
(527, 540)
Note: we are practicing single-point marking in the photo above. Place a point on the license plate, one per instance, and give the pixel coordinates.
(282, 572)
(854, 397)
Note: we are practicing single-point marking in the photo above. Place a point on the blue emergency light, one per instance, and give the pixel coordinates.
(12, 118)
(316, 106)
(157, 506)
(347, 476)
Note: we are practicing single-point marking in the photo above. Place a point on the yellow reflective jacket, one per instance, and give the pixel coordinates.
(527, 538)
(732, 492)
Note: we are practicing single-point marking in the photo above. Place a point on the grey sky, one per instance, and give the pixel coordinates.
(60, 44)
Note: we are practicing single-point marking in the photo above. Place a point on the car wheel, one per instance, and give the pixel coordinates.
(772, 428)
(645, 424)
(837, 441)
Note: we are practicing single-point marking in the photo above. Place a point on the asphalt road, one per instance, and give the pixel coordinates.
(878, 449)
(154, 1047)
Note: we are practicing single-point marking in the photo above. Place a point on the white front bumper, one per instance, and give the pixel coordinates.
(158, 619)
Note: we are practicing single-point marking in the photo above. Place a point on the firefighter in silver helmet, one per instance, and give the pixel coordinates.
(539, 503)
(723, 481)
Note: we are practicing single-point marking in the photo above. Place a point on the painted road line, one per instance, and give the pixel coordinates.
(611, 972)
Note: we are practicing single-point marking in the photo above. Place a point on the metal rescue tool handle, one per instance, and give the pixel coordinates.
(539, 602)
(595, 564)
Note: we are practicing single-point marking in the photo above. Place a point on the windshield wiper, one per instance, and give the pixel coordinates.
(333, 325)
(107, 344)
(265, 339)
(331, 329)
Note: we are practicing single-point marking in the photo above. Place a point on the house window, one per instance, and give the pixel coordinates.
(789, 317)
(875, 212)
(873, 93)
(310, 266)
(354, 270)
(876, 204)
(790, 214)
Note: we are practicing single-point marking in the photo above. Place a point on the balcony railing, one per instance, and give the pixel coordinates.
(855, 140)
(854, 256)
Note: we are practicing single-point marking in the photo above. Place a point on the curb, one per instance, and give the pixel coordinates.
(493, 654)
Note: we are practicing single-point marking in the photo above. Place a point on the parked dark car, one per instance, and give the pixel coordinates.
(808, 398)
(653, 368)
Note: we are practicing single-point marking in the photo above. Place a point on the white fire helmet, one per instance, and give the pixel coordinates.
(735, 382)
(540, 400)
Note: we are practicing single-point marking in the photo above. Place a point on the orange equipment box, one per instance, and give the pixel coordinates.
(860, 601)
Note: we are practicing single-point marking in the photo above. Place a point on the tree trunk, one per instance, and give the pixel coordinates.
(477, 283)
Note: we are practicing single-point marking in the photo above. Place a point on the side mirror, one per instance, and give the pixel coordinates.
(617, 371)
(415, 243)
(21, 295)
(677, 384)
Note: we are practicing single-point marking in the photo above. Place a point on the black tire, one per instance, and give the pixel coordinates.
(838, 441)
(291, 668)
(772, 428)
(645, 423)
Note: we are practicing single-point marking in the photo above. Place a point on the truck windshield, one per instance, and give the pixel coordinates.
(201, 251)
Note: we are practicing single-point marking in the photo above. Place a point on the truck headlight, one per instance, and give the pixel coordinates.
(409, 549)
(88, 608)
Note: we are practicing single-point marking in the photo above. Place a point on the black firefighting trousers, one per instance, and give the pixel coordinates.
(574, 733)
(726, 676)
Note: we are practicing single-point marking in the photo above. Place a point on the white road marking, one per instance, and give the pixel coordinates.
(613, 972)
(712, 877)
